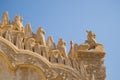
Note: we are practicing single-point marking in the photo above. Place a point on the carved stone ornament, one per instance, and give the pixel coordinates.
(25, 55)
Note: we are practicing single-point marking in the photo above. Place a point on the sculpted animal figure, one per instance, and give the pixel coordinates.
(62, 47)
(17, 23)
(91, 39)
(40, 36)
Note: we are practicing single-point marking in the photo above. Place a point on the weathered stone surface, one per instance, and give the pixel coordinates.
(27, 56)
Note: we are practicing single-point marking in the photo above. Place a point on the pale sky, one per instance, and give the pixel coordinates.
(69, 19)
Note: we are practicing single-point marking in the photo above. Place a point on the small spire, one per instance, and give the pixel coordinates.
(28, 30)
(71, 43)
(5, 19)
(71, 48)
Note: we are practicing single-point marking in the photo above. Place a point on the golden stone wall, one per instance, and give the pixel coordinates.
(25, 55)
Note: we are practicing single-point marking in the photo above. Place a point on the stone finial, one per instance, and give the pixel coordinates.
(28, 31)
(73, 50)
(62, 47)
(18, 23)
(5, 19)
(40, 36)
(50, 43)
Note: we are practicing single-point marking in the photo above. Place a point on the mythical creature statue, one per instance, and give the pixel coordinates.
(62, 47)
(90, 43)
(18, 23)
(40, 36)
(91, 39)
(84, 62)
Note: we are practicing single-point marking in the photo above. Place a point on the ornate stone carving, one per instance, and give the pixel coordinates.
(62, 47)
(19, 41)
(91, 43)
(91, 39)
(23, 51)
(18, 23)
(67, 62)
(28, 31)
(73, 51)
(43, 51)
(5, 19)
(37, 48)
(8, 35)
(60, 59)
(40, 36)
(50, 43)
(29, 43)
(53, 58)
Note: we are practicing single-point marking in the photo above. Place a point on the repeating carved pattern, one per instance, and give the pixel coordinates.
(21, 46)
